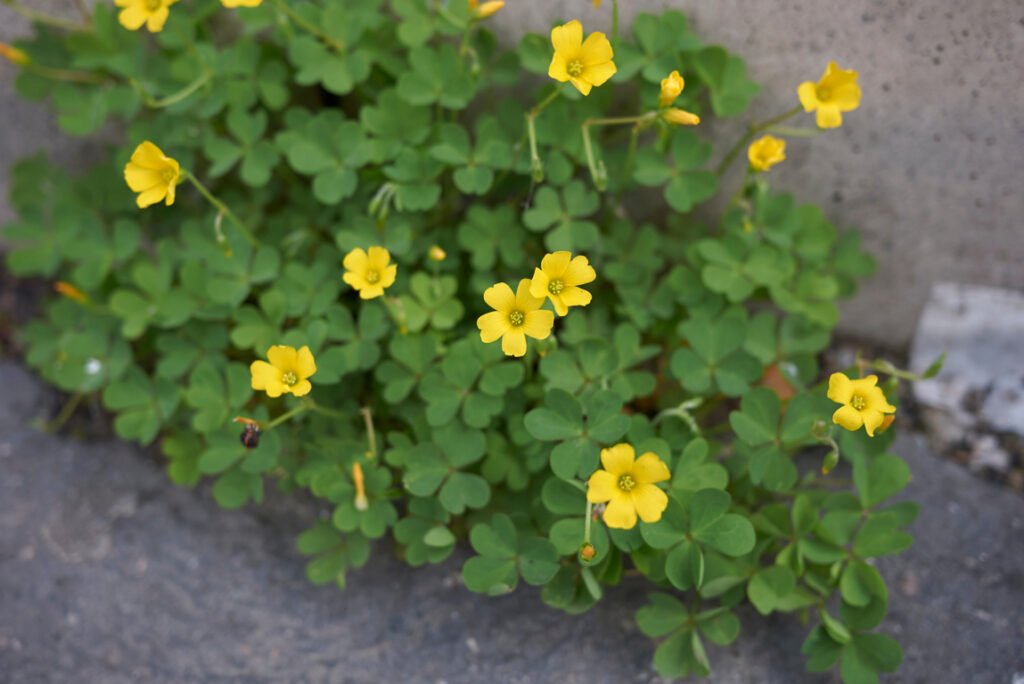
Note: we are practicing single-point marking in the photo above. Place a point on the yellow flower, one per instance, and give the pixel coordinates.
(152, 174)
(863, 402)
(584, 64)
(515, 317)
(559, 277)
(766, 152)
(836, 92)
(671, 86)
(13, 54)
(232, 4)
(369, 273)
(597, 3)
(152, 13)
(437, 254)
(484, 10)
(287, 373)
(628, 485)
(680, 117)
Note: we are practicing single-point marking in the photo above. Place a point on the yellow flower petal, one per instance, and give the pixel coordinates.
(132, 18)
(492, 326)
(305, 365)
(525, 301)
(840, 388)
(574, 296)
(149, 156)
(157, 19)
(355, 261)
(846, 97)
(602, 486)
(500, 297)
(538, 324)
(539, 283)
(596, 49)
(282, 357)
(388, 276)
(263, 374)
(301, 388)
(561, 308)
(513, 343)
(151, 196)
(872, 420)
(649, 469)
(378, 258)
(828, 117)
(579, 271)
(140, 179)
(568, 38)
(848, 417)
(371, 291)
(557, 69)
(555, 263)
(598, 74)
(618, 459)
(649, 501)
(620, 513)
(356, 280)
(808, 94)
(671, 87)
(581, 85)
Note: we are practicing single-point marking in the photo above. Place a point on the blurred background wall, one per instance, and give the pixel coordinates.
(931, 168)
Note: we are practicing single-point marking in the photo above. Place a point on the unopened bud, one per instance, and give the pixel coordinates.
(361, 502)
(680, 118)
(14, 55)
(70, 291)
(483, 10)
(437, 254)
(671, 86)
(587, 552)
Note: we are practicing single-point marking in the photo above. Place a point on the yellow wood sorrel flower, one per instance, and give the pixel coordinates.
(559, 278)
(152, 13)
(152, 174)
(863, 402)
(836, 92)
(584, 64)
(232, 4)
(671, 87)
(628, 485)
(515, 316)
(369, 272)
(288, 372)
(482, 10)
(766, 152)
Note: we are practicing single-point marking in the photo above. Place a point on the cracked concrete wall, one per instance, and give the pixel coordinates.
(930, 168)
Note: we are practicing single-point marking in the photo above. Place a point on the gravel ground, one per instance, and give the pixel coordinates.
(110, 574)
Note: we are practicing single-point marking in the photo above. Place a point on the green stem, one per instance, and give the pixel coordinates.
(324, 411)
(586, 522)
(615, 20)
(730, 156)
(64, 74)
(598, 172)
(42, 18)
(796, 132)
(175, 98)
(65, 414)
(536, 165)
(222, 208)
(286, 416)
(309, 26)
(371, 435)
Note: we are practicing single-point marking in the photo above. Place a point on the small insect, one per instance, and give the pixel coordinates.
(251, 433)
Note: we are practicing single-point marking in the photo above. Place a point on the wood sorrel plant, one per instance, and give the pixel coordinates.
(421, 276)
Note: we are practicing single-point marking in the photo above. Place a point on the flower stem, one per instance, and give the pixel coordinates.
(64, 74)
(65, 414)
(309, 26)
(536, 165)
(222, 208)
(175, 98)
(371, 435)
(754, 129)
(598, 172)
(615, 20)
(286, 416)
(586, 522)
(43, 18)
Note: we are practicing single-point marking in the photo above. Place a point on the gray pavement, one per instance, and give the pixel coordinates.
(111, 574)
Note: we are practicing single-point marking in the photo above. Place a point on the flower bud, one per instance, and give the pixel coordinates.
(361, 502)
(486, 9)
(587, 552)
(680, 118)
(437, 254)
(70, 291)
(671, 86)
(13, 54)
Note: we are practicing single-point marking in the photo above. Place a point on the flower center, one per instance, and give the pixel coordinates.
(517, 318)
(626, 483)
(168, 173)
(372, 276)
(575, 68)
(289, 378)
(154, 5)
(858, 402)
(824, 94)
(556, 286)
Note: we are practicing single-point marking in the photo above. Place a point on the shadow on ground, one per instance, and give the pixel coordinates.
(110, 574)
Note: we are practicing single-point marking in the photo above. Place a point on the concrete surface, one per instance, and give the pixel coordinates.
(929, 168)
(109, 574)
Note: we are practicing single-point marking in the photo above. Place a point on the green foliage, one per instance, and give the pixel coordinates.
(352, 123)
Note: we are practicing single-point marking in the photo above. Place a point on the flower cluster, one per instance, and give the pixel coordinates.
(518, 315)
